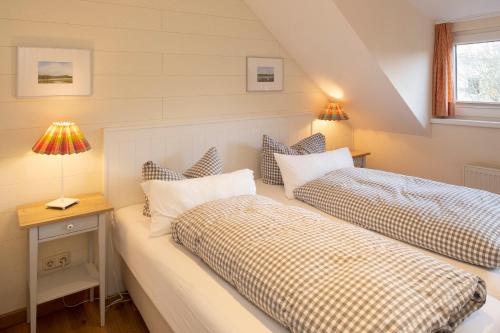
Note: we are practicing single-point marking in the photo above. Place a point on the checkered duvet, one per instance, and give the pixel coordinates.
(312, 275)
(455, 221)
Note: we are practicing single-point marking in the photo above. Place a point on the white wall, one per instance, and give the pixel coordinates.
(154, 60)
(439, 156)
(486, 23)
(451, 10)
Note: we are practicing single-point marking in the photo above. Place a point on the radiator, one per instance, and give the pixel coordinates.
(482, 178)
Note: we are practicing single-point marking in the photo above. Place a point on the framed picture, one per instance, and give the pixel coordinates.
(53, 72)
(264, 74)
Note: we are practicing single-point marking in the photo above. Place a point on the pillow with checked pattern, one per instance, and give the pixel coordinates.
(209, 165)
(270, 170)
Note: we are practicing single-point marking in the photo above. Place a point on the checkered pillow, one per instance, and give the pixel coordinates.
(269, 169)
(210, 164)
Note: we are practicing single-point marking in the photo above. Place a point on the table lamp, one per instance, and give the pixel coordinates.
(333, 112)
(62, 138)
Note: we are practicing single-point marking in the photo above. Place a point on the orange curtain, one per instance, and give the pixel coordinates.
(443, 99)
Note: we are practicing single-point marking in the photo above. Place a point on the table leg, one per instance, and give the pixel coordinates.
(33, 277)
(90, 259)
(102, 267)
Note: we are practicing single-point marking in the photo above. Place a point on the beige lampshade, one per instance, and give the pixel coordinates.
(333, 112)
(62, 138)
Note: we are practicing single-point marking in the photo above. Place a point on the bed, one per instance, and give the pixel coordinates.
(173, 290)
(176, 291)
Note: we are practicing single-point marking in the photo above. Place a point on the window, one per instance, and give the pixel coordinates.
(478, 72)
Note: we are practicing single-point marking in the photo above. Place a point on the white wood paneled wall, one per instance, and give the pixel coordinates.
(154, 61)
(238, 142)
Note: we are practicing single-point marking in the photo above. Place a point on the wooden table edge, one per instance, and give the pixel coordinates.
(61, 218)
(358, 153)
(104, 207)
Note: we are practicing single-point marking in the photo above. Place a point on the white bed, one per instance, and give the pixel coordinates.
(174, 290)
(191, 298)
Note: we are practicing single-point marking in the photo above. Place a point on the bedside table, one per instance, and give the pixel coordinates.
(359, 158)
(44, 225)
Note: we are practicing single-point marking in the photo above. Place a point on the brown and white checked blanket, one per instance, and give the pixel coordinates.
(312, 275)
(455, 221)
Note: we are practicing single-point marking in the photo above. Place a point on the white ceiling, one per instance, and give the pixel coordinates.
(449, 10)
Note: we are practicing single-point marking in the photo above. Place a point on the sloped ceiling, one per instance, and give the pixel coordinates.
(450, 10)
(375, 56)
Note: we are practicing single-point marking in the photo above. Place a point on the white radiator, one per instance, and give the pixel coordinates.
(483, 178)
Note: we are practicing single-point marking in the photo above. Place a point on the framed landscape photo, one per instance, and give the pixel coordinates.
(53, 72)
(264, 74)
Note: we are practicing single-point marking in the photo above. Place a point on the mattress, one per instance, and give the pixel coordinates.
(192, 298)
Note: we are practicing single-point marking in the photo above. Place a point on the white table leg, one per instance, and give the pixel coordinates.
(102, 266)
(90, 259)
(33, 277)
(28, 295)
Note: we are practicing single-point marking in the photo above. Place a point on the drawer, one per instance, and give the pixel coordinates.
(67, 227)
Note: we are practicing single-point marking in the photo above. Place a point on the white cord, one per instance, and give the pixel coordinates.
(118, 301)
(121, 299)
(74, 305)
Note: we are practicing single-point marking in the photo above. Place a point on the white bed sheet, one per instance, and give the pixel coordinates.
(490, 276)
(188, 294)
(192, 298)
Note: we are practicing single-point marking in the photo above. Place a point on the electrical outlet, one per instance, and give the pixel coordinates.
(64, 259)
(49, 263)
(56, 261)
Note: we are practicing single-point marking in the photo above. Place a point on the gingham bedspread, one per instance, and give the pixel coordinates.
(312, 275)
(455, 221)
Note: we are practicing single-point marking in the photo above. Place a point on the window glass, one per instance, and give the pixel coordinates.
(478, 72)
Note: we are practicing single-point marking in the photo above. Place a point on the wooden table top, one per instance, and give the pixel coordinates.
(359, 153)
(37, 214)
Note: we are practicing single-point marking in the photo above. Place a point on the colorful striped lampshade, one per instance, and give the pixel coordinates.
(333, 112)
(62, 138)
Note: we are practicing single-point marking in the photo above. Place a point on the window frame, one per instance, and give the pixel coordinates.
(473, 37)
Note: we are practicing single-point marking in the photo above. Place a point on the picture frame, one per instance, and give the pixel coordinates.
(264, 74)
(53, 72)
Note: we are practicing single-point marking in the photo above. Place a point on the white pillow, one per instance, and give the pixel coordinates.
(296, 170)
(167, 200)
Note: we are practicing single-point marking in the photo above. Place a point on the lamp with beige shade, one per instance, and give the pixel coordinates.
(333, 112)
(62, 138)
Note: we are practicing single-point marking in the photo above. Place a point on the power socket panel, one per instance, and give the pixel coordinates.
(56, 261)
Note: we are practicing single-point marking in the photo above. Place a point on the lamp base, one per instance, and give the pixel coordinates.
(62, 203)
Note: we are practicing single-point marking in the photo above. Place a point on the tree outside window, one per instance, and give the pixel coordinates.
(478, 72)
